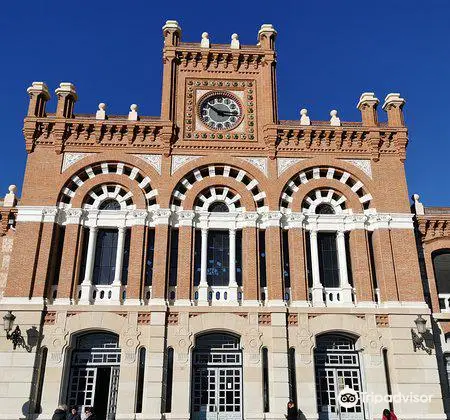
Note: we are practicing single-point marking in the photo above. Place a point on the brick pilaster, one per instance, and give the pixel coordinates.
(361, 266)
(384, 265)
(67, 273)
(160, 257)
(273, 263)
(250, 282)
(24, 259)
(136, 263)
(185, 262)
(407, 268)
(297, 263)
(42, 269)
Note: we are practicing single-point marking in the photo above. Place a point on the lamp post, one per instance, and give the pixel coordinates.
(16, 335)
(419, 339)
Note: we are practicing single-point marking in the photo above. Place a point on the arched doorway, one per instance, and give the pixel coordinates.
(217, 378)
(94, 373)
(337, 367)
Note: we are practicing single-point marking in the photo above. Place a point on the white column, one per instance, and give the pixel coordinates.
(232, 284)
(343, 272)
(117, 283)
(317, 289)
(89, 268)
(203, 286)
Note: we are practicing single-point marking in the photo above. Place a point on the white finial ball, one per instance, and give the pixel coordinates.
(133, 107)
(102, 106)
(205, 35)
(333, 113)
(234, 36)
(303, 111)
(12, 188)
(416, 197)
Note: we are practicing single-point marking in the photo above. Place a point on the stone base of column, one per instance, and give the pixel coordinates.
(157, 302)
(232, 295)
(366, 304)
(300, 304)
(317, 296)
(62, 301)
(276, 302)
(115, 296)
(85, 298)
(182, 302)
(251, 303)
(346, 296)
(132, 302)
(202, 295)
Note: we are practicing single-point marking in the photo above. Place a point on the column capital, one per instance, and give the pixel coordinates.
(186, 218)
(73, 216)
(162, 216)
(271, 218)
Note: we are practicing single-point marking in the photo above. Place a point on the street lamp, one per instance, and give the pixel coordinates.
(16, 335)
(418, 340)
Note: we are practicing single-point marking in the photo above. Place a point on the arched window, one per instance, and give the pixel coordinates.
(109, 204)
(324, 208)
(218, 207)
(441, 264)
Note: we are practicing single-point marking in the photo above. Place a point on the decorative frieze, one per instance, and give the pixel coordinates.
(363, 164)
(152, 160)
(72, 158)
(180, 160)
(283, 164)
(258, 162)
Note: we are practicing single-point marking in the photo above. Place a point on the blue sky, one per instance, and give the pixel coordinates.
(329, 52)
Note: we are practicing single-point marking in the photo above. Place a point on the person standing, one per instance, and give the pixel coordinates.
(291, 411)
(60, 413)
(73, 414)
(89, 411)
(389, 415)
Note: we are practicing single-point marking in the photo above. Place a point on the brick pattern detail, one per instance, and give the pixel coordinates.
(382, 321)
(144, 318)
(297, 263)
(292, 320)
(50, 318)
(264, 319)
(361, 266)
(172, 318)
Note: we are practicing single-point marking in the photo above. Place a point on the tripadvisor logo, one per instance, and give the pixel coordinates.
(348, 397)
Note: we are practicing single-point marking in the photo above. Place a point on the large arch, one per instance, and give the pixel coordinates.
(220, 174)
(327, 169)
(109, 169)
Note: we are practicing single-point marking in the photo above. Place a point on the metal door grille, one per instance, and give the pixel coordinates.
(217, 379)
(337, 366)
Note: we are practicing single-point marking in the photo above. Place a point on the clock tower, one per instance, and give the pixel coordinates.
(219, 95)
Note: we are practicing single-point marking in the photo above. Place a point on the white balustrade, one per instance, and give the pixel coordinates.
(103, 294)
(335, 296)
(219, 295)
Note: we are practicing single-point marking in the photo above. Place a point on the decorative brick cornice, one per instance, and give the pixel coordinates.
(434, 227)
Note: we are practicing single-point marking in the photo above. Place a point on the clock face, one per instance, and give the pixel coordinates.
(220, 110)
